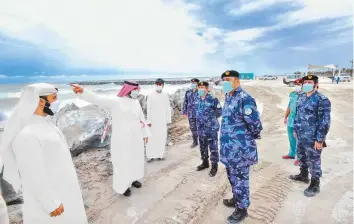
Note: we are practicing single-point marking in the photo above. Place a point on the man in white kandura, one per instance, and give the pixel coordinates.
(128, 131)
(35, 155)
(4, 217)
(158, 116)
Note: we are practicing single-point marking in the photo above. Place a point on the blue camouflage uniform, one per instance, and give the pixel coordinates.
(208, 112)
(311, 124)
(240, 127)
(190, 103)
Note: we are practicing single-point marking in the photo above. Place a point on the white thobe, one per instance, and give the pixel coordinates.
(48, 175)
(158, 115)
(4, 217)
(127, 144)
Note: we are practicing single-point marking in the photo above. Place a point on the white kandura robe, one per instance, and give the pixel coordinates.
(158, 115)
(4, 217)
(127, 145)
(48, 174)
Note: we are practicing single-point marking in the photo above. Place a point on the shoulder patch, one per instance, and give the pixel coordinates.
(248, 111)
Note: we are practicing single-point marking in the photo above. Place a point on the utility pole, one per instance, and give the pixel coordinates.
(351, 62)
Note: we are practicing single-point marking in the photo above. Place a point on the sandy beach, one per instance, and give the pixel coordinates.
(173, 192)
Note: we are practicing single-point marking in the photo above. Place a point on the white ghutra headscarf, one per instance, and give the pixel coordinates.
(24, 110)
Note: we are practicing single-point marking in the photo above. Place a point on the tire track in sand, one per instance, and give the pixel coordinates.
(268, 199)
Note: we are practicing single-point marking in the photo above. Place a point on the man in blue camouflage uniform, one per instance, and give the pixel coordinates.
(208, 111)
(311, 125)
(190, 108)
(240, 126)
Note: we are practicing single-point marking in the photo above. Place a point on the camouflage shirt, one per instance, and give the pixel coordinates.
(240, 126)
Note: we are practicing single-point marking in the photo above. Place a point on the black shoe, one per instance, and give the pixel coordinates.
(303, 176)
(150, 160)
(195, 142)
(230, 203)
(161, 159)
(204, 165)
(128, 192)
(213, 170)
(237, 216)
(137, 184)
(313, 189)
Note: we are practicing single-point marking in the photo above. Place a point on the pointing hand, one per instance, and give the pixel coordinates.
(77, 89)
(57, 211)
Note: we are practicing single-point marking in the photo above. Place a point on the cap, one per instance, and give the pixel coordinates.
(161, 81)
(195, 80)
(206, 84)
(311, 77)
(230, 73)
(298, 81)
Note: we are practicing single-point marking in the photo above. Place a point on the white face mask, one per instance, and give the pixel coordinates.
(134, 94)
(55, 106)
(158, 88)
(298, 88)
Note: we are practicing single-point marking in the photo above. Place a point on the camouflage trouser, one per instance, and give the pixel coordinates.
(193, 127)
(309, 158)
(239, 180)
(211, 140)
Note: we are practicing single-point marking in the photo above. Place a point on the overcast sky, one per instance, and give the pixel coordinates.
(201, 36)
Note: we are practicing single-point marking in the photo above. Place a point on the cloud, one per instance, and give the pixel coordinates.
(149, 35)
(3, 76)
(248, 6)
(313, 10)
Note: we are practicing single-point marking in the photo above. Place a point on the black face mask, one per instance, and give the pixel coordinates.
(47, 110)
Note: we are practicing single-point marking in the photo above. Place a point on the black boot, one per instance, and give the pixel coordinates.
(313, 189)
(230, 203)
(195, 142)
(303, 176)
(237, 216)
(204, 165)
(136, 184)
(128, 192)
(213, 170)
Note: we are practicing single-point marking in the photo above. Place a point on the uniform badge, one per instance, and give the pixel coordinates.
(248, 111)
(227, 73)
(309, 76)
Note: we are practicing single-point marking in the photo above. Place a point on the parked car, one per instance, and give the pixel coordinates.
(344, 77)
(290, 79)
(268, 77)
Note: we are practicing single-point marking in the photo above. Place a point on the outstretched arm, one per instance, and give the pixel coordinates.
(91, 97)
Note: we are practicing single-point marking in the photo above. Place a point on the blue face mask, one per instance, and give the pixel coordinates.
(227, 86)
(201, 92)
(193, 85)
(307, 87)
(134, 94)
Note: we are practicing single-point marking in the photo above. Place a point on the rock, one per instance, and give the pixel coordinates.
(15, 213)
(82, 127)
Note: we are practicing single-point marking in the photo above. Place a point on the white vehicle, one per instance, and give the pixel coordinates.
(344, 77)
(290, 79)
(268, 77)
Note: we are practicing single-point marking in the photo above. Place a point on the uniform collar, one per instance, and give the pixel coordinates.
(236, 92)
